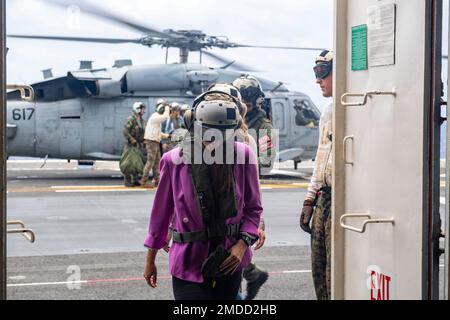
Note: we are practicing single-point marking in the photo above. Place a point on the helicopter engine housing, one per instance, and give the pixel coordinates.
(156, 78)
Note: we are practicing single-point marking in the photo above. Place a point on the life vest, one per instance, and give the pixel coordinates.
(215, 208)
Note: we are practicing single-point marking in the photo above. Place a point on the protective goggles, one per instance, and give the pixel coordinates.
(323, 70)
(251, 94)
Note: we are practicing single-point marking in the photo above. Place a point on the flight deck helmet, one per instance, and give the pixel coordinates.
(324, 65)
(160, 106)
(231, 91)
(138, 106)
(214, 110)
(250, 89)
(185, 107)
(175, 106)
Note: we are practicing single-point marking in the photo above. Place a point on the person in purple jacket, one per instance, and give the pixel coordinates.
(209, 190)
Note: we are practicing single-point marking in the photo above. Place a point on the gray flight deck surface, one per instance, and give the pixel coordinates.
(84, 219)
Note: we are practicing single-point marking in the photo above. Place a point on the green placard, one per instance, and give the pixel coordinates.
(359, 48)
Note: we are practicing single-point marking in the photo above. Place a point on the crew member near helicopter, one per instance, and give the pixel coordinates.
(253, 275)
(184, 108)
(317, 205)
(133, 132)
(171, 126)
(153, 136)
(259, 124)
(215, 208)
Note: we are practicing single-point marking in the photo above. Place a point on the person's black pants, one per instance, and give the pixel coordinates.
(225, 288)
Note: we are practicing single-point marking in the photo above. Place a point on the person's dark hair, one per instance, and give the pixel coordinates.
(222, 177)
(222, 173)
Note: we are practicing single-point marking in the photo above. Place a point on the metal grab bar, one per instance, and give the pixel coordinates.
(365, 97)
(365, 223)
(16, 222)
(23, 91)
(24, 231)
(351, 162)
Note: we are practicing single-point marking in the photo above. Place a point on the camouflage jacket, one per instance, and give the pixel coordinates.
(261, 128)
(134, 129)
(322, 176)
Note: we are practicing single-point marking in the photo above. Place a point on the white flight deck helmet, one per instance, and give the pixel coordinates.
(228, 89)
(217, 114)
(160, 106)
(250, 89)
(214, 109)
(175, 106)
(324, 64)
(138, 106)
(231, 91)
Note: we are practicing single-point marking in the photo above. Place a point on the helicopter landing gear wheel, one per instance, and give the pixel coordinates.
(296, 162)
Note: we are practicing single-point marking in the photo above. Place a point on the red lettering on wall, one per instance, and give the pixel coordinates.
(388, 282)
(380, 286)
(372, 285)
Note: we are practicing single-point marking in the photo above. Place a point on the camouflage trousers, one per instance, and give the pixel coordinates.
(153, 159)
(321, 246)
(251, 273)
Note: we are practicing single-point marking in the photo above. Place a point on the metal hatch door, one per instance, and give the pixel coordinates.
(70, 126)
(384, 208)
(447, 189)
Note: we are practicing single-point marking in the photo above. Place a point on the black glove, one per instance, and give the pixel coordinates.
(306, 216)
(210, 268)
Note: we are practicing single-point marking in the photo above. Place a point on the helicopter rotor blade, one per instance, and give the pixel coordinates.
(227, 62)
(78, 39)
(237, 45)
(104, 14)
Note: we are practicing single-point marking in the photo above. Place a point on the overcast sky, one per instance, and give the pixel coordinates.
(257, 22)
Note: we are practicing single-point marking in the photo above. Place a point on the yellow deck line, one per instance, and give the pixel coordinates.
(68, 189)
(283, 186)
(91, 187)
(118, 188)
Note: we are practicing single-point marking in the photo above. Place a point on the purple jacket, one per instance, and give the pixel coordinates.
(175, 201)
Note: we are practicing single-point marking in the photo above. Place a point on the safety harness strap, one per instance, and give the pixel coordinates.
(232, 230)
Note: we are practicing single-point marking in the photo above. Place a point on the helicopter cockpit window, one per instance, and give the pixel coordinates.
(306, 114)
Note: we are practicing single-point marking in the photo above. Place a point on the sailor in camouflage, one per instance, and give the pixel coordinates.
(259, 125)
(133, 131)
(317, 204)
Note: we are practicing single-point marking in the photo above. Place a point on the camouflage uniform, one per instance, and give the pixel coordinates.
(321, 245)
(255, 276)
(257, 120)
(319, 192)
(134, 130)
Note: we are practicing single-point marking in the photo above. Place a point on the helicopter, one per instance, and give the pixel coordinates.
(80, 116)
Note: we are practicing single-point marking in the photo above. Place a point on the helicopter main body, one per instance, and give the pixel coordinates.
(81, 116)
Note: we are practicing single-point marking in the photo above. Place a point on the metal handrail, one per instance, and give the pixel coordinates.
(24, 231)
(349, 162)
(16, 222)
(365, 97)
(365, 223)
(23, 89)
